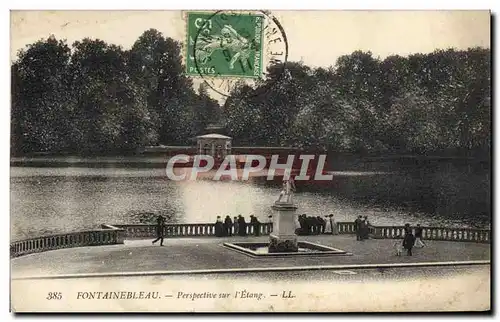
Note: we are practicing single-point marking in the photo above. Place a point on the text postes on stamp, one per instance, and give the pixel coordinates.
(227, 47)
(225, 44)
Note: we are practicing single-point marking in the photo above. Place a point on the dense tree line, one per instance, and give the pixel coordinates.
(417, 104)
(95, 97)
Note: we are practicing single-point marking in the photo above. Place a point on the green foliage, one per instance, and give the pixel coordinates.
(96, 97)
(417, 104)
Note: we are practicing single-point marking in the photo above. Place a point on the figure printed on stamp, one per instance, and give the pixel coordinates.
(229, 41)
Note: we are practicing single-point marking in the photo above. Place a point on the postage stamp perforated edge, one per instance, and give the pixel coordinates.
(185, 48)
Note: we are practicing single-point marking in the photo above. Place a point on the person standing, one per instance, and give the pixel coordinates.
(302, 224)
(160, 223)
(313, 222)
(408, 243)
(418, 237)
(228, 225)
(366, 228)
(333, 225)
(242, 226)
(328, 225)
(362, 228)
(219, 227)
(307, 225)
(236, 226)
(357, 227)
(255, 224)
(322, 224)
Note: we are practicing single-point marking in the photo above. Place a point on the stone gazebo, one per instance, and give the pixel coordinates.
(215, 145)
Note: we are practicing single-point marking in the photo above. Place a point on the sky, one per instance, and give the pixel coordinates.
(317, 38)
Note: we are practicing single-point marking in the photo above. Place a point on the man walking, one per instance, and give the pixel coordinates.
(160, 222)
(408, 242)
(418, 237)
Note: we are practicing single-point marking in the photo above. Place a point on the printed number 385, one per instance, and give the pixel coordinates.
(54, 296)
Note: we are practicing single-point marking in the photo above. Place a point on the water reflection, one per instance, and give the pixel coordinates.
(48, 200)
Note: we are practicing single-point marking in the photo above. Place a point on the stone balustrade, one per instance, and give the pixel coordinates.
(138, 231)
(428, 233)
(115, 234)
(107, 235)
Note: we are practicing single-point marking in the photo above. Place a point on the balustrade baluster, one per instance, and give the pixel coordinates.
(107, 236)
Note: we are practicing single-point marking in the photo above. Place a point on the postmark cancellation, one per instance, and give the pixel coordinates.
(226, 47)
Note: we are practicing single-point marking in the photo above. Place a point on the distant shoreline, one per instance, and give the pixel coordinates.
(157, 160)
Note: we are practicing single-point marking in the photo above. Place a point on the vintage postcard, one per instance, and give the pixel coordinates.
(250, 161)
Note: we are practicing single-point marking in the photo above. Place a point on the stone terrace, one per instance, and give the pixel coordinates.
(208, 253)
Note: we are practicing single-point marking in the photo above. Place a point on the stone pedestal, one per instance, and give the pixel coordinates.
(283, 238)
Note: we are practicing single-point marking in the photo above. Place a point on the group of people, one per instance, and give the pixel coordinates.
(222, 228)
(310, 225)
(362, 228)
(238, 226)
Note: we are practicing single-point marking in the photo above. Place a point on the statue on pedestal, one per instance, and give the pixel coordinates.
(283, 237)
(287, 191)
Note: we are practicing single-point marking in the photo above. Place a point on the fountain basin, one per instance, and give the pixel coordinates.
(305, 249)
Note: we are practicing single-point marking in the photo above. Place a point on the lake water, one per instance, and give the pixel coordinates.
(49, 200)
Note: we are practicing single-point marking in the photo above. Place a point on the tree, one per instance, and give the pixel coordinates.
(416, 104)
(155, 63)
(99, 98)
(39, 94)
(108, 107)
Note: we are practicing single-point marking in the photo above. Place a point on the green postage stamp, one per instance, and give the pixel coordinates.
(224, 44)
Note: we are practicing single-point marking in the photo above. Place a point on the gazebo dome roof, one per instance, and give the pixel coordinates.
(213, 136)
